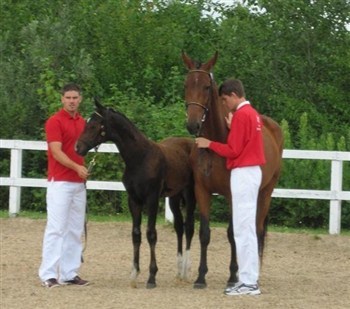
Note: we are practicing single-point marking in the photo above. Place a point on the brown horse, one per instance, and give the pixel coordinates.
(152, 170)
(206, 118)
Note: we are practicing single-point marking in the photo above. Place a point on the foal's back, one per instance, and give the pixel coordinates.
(176, 151)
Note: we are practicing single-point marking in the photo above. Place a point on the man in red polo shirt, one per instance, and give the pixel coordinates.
(66, 194)
(244, 153)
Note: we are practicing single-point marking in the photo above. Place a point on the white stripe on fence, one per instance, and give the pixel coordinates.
(335, 195)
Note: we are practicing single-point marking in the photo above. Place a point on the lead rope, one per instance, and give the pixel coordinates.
(90, 167)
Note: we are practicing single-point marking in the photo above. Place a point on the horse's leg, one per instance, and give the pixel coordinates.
(152, 205)
(190, 203)
(136, 213)
(175, 204)
(233, 264)
(204, 237)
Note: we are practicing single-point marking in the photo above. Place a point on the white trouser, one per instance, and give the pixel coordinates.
(62, 245)
(245, 184)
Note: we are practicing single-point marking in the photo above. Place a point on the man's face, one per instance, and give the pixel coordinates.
(229, 100)
(71, 100)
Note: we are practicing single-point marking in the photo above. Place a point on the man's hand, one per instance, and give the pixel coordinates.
(202, 142)
(229, 120)
(82, 172)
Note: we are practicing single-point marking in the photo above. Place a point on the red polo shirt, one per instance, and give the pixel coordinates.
(63, 128)
(245, 141)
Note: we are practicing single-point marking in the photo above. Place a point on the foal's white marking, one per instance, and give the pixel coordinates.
(133, 277)
(184, 266)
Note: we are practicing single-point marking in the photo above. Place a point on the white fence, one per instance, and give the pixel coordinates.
(335, 195)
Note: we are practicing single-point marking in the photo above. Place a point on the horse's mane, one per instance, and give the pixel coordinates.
(128, 127)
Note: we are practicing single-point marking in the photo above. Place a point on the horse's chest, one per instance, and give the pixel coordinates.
(141, 183)
(211, 173)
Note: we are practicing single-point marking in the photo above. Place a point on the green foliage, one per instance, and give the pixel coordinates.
(293, 57)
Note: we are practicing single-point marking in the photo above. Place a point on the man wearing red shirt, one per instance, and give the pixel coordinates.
(244, 153)
(66, 194)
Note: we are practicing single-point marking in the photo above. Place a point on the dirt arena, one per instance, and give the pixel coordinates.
(299, 271)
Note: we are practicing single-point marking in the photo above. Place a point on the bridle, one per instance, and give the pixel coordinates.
(102, 133)
(206, 109)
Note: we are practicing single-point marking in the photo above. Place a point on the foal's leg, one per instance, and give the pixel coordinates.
(136, 213)
(175, 204)
(152, 205)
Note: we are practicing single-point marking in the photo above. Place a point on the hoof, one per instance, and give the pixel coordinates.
(230, 284)
(197, 285)
(150, 285)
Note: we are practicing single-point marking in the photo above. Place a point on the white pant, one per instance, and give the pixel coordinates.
(245, 184)
(62, 245)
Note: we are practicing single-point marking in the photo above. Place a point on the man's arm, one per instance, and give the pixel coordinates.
(61, 157)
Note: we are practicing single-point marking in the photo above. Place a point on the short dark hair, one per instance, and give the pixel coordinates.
(70, 87)
(232, 85)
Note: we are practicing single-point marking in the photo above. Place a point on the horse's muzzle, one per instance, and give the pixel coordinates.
(194, 128)
(80, 148)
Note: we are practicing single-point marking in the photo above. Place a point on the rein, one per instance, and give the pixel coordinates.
(90, 168)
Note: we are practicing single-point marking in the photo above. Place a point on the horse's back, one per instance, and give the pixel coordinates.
(182, 145)
(273, 145)
(176, 151)
(275, 130)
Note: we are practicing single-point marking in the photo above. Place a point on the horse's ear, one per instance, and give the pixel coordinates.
(211, 62)
(187, 61)
(98, 103)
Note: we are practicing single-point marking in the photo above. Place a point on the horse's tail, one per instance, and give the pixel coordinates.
(261, 239)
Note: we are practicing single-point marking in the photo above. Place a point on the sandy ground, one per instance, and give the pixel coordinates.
(299, 271)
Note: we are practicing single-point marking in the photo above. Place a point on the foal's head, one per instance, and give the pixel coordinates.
(94, 133)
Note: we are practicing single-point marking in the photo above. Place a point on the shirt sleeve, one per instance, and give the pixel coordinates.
(235, 141)
(53, 130)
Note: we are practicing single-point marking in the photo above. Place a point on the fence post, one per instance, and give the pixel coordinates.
(15, 191)
(335, 205)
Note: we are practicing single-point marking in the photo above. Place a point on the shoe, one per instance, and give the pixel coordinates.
(229, 288)
(50, 283)
(243, 289)
(77, 281)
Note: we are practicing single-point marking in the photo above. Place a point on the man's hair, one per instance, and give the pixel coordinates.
(70, 87)
(232, 85)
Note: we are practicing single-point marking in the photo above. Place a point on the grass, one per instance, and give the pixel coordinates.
(161, 220)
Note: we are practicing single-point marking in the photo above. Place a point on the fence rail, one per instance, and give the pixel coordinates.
(335, 195)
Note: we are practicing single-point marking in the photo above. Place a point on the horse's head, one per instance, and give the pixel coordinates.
(94, 133)
(199, 87)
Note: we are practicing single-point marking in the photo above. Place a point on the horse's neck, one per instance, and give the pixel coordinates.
(214, 127)
(131, 142)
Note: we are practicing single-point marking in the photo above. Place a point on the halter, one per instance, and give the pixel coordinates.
(102, 133)
(206, 109)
